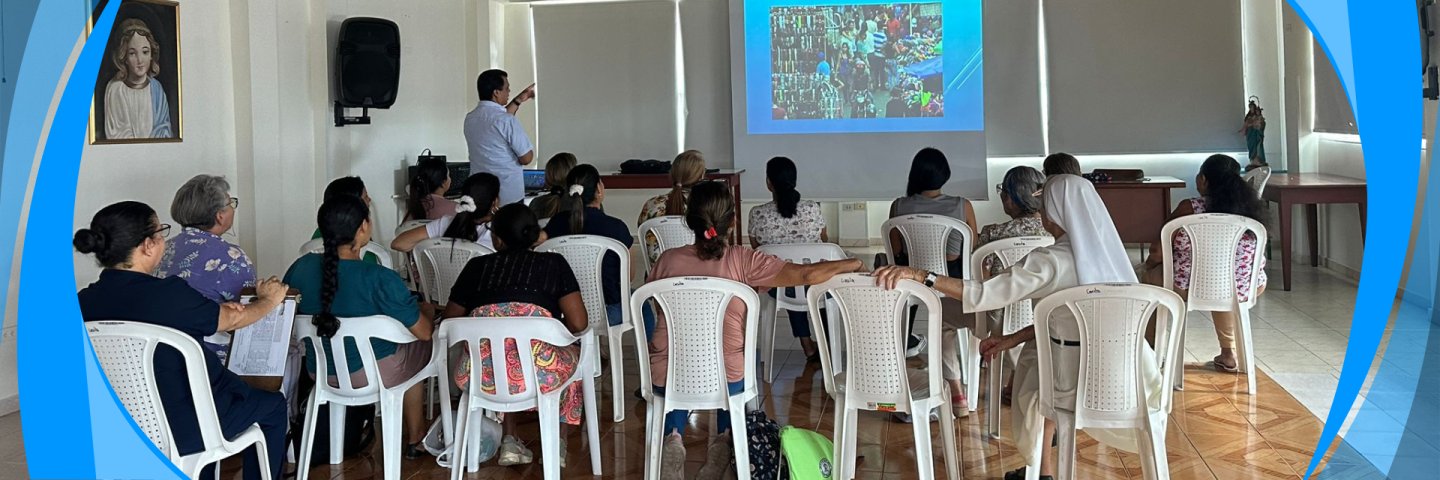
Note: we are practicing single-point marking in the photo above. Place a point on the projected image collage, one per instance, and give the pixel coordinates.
(856, 61)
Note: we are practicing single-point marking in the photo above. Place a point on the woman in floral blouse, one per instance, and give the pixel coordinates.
(687, 170)
(211, 265)
(788, 219)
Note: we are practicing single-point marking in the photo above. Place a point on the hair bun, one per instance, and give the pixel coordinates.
(89, 241)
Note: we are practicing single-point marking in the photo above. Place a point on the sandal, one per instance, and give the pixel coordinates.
(415, 450)
(1223, 368)
(1019, 474)
(960, 404)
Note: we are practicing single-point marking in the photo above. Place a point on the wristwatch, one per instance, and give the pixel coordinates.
(930, 279)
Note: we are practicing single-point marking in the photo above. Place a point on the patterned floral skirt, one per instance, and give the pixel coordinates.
(554, 365)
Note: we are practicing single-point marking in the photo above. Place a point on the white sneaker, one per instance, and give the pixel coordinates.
(512, 452)
(672, 458)
(717, 461)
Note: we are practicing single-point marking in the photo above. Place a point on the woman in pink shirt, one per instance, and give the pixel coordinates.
(710, 213)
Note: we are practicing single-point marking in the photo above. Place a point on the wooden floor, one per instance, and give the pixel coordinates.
(1216, 432)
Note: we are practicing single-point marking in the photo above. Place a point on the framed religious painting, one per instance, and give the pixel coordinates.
(137, 91)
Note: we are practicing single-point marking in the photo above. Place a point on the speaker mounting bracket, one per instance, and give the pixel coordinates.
(342, 120)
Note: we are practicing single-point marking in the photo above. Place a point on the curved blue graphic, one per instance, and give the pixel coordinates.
(1375, 62)
(67, 400)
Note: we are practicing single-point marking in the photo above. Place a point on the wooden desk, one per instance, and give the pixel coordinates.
(1311, 189)
(1139, 209)
(624, 181)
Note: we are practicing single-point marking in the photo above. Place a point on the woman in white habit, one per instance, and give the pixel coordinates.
(1087, 251)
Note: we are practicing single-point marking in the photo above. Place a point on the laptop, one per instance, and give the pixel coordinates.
(534, 182)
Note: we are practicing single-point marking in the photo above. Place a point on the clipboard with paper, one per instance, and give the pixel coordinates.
(263, 349)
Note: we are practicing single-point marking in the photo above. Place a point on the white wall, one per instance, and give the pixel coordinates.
(151, 173)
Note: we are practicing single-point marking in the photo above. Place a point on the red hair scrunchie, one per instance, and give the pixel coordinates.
(710, 233)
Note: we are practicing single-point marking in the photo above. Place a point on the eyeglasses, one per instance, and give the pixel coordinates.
(999, 188)
(233, 202)
(163, 230)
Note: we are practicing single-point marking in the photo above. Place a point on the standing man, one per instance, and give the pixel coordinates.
(494, 137)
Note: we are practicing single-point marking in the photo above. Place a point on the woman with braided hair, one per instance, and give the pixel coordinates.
(337, 284)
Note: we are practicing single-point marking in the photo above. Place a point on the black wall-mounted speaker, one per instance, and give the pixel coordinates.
(367, 63)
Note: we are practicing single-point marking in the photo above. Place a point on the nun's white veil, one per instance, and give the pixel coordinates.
(1072, 203)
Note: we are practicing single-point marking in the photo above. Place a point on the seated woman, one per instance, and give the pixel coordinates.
(1061, 163)
(471, 221)
(788, 219)
(928, 173)
(216, 268)
(1087, 251)
(711, 213)
(426, 199)
(353, 187)
(1222, 190)
(516, 281)
(582, 213)
(687, 170)
(128, 240)
(1020, 196)
(557, 169)
(337, 284)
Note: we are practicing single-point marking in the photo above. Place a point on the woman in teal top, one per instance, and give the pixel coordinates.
(355, 187)
(338, 284)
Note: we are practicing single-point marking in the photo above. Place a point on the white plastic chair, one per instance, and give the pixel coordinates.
(440, 261)
(926, 238)
(317, 245)
(694, 314)
(1257, 179)
(670, 231)
(1018, 315)
(1109, 387)
(359, 331)
(875, 321)
(410, 225)
(473, 331)
(586, 254)
(126, 351)
(799, 253)
(1214, 237)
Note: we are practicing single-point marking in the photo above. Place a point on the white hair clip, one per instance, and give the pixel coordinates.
(577, 189)
(464, 204)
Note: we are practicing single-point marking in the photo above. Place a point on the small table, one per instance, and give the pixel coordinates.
(1139, 209)
(1311, 189)
(731, 177)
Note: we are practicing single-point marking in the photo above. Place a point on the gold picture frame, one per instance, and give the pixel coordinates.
(144, 102)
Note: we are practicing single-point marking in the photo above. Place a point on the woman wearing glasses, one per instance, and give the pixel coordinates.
(128, 241)
(199, 254)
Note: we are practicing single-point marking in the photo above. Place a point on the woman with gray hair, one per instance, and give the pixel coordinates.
(211, 265)
(1020, 194)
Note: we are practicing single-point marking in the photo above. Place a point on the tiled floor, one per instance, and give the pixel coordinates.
(1216, 432)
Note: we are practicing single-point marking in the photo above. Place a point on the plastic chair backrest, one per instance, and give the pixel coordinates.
(1214, 239)
(586, 254)
(1009, 252)
(126, 351)
(875, 323)
(493, 331)
(1111, 319)
(926, 237)
(317, 245)
(670, 231)
(410, 225)
(804, 254)
(440, 261)
(358, 331)
(694, 315)
(1257, 179)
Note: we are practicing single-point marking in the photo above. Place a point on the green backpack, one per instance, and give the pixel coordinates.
(807, 453)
